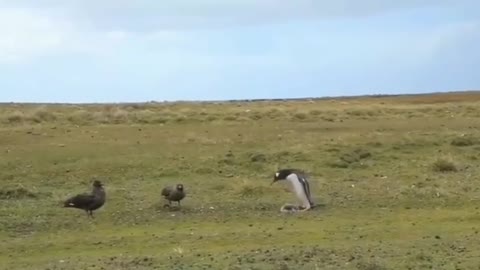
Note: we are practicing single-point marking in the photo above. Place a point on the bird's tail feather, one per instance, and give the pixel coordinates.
(68, 203)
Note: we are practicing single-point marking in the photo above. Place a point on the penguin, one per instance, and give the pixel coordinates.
(172, 194)
(300, 186)
(88, 202)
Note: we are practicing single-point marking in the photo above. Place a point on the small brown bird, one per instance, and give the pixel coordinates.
(174, 194)
(88, 202)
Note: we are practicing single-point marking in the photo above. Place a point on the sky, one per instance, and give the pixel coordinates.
(148, 50)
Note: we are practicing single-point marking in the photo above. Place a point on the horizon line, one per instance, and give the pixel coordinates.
(250, 100)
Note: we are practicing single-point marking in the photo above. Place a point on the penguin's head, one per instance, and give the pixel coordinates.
(97, 184)
(282, 175)
(179, 187)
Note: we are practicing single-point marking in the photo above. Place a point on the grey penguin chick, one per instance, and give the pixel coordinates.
(174, 194)
(88, 202)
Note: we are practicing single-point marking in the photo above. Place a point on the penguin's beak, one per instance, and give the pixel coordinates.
(273, 182)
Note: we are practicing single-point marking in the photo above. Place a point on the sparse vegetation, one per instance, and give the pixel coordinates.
(335, 110)
(385, 173)
(351, 157)
(16, 194)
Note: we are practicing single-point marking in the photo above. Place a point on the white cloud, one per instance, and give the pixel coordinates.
(117, 35)
(24, 33)
(27, 33)
(455, 33)
(428, 47)
(30, 28)
(151, 15)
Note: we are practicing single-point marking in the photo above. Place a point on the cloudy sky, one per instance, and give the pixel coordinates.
(118, 51)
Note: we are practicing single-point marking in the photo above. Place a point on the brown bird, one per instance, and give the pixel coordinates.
(174, 194)
(88, 202)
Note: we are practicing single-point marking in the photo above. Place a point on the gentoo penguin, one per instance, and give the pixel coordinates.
(88, 202)
(172, 194)
(299, 183)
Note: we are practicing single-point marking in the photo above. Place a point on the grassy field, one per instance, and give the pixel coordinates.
(397, 180)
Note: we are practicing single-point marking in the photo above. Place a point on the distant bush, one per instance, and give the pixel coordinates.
(300, 116)
(15, 117)
(255, 116)
(355, 155)
(370, 266)
(230, 118)
(464, 141)
(288, 156)
(444, 165)
(144, 116)
(275, 113)
(42, 114)
(315, 112)
(248, 189)
(258, 157)
(99, 117)
(328, 119)
(350, 157)
(118, 116)
(204, 170)
(38, 115)
(79, 117)
(211, 118)
(339, 164)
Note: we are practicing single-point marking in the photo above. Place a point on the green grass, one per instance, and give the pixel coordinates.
(396, 179)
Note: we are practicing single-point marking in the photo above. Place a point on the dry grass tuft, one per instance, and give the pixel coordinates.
(444, 165)
(43, 114)
(464, 141)
(16, 194)
(249, 189)
(15, 117)
(350, 158)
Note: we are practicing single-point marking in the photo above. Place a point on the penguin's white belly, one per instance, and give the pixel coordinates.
(299, 190)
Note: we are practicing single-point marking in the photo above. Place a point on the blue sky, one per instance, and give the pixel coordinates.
(127, 51)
